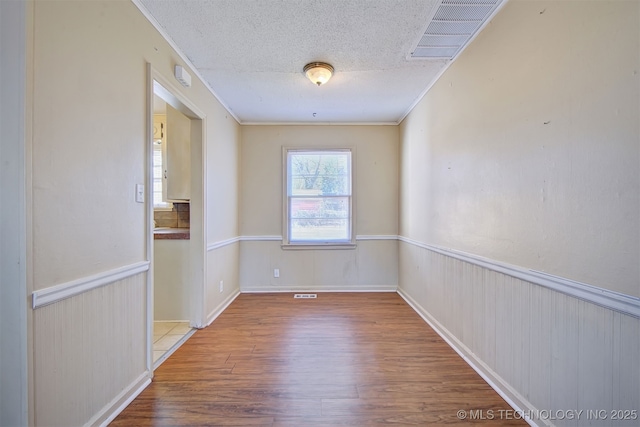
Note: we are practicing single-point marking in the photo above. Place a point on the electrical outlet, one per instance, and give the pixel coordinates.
(221, 285)
(276, 272)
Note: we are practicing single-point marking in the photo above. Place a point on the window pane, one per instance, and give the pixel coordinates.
(157, 177)
(321, 230)
(320, 207)
(319, 173)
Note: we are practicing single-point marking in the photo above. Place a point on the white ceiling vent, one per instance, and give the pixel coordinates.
(453, 25)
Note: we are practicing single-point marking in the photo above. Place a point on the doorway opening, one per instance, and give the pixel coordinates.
(176, 227)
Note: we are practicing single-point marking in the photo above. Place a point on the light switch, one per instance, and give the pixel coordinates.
(140, 193)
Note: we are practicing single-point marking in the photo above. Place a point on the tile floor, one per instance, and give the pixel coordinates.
(166, 335)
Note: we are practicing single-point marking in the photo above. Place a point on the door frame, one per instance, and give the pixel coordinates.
(16, 347)
(158, 85)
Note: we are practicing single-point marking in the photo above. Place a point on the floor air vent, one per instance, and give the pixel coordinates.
(452, 26)
(306, 296)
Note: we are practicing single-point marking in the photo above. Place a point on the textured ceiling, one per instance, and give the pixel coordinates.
(252, 52)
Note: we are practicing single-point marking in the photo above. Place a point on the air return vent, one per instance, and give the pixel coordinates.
(452, 26)
(307, 296)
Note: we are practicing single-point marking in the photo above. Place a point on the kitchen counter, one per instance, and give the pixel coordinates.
(166, 233)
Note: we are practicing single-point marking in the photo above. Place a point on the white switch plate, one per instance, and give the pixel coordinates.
(276, 272)
(221, 285)
(140, 193)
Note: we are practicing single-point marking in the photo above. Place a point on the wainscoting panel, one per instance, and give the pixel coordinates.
(89, 353)
(548, 352)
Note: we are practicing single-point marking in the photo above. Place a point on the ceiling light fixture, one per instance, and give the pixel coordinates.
(318, 72)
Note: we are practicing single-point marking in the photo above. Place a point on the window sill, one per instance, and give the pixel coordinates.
(317, 246)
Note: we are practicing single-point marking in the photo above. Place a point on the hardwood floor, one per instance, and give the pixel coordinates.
(343, 359)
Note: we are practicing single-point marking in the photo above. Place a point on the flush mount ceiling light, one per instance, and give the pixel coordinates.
(318, 72)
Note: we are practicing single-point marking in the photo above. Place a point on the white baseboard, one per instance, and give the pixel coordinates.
(171, 321)
(220, 308)
(121, 401)
(512, 397)
(297, 289)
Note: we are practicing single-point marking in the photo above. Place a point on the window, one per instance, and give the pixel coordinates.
(159, 192)
(319, 201)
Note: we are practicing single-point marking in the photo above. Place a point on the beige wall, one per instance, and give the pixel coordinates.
(94, 66)
(526, 150)
(88, 117)
(89, 138)
(373, 264)
(222, 189)
(171, 279)
(526, 153)
(223, 167)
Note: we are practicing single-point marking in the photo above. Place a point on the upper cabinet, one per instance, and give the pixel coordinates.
(178, 155)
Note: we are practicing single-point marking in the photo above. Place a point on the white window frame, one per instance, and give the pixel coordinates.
(159, 146)
(349, 243)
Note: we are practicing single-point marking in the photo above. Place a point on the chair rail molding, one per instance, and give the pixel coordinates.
(56, 293)
(622, 303)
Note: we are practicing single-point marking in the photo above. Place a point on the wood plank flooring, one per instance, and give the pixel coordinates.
(343, 359)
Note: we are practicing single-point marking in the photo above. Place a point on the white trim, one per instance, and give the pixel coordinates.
(182, 56)
(376, 237)
(318, 246)
(511, 396)
(622, 303)
(351, 155)
(220, 308)
(617, 301)
(150, 223)
(16, 244)
(222, 243)
(296, 289)
(261, 238)
(392, 123)
(197, 250)
(172, 321)
(279, 238)
(57, 293)
(121, 401)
